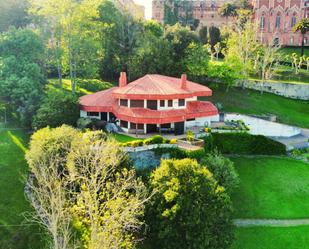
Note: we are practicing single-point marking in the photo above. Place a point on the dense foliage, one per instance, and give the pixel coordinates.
(21, 75)
(58, 107)
(81, 181)
(222, 169)
(189, 209)
(244, 143)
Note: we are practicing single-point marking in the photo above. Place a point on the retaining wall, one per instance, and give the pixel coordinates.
(289, 90)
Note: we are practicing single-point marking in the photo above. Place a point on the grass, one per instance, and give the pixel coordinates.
(271, 187)
(291, 50)
(124, 138)
(15, 233)
(272, 238)
(245, 101)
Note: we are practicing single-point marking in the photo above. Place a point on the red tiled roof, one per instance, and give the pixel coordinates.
(98, 102)
(194, 109)
(151, 87)
(154, 86)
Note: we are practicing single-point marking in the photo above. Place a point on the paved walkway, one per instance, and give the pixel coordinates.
(270, 222)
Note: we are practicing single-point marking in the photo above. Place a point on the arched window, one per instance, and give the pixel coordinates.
(262, 22)
(278, 19)
(293, 21)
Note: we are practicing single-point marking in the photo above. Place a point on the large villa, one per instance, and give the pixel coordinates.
(153, 103)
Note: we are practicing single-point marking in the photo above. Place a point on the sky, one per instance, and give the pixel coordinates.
(147, 4)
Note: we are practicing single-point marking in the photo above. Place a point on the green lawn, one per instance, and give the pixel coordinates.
(272, 238)
(124, 138)
(297, 50)
(289, 111)
(271, 188)
(15, 233)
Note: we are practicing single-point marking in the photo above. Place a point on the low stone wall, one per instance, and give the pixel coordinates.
(263, 127)
(149, 147)
(289, 90)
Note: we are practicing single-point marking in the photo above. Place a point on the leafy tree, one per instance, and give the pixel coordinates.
(268, 58)
(120, 35)
(203, 34)
(223, 170)
(214, 36)
(223, 73)
(189, 209)
(110, 201)
(243, 16)
(152, 54)
(58, 107)
(49, 193)
(242, 48)
(196, 60)
(227, 10)
(179, 37)
(303, 27)
(72, 30)
(21, 77)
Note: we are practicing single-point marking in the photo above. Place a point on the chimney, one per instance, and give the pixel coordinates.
(183, 81)
(123, 79)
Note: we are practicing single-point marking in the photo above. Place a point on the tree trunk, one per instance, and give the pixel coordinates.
(302, 44)
(59, 72)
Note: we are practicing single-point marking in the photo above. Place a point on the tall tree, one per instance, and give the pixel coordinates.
(152, 54)
(21, 76)
(110, 201)
(302, 26)
(214, 36)
(48, 184)
(179, 37)
(227, 10)
(188, 212)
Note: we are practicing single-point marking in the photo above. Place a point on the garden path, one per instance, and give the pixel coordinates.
(270, 222)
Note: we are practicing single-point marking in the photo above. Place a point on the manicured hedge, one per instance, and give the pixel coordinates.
(244, 143)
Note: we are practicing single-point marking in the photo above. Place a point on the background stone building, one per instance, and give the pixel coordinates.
(275, 18)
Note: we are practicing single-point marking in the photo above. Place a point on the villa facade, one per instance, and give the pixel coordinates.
(153, 103)
(275, 18)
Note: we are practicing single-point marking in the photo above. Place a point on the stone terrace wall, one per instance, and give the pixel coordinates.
(289, 90)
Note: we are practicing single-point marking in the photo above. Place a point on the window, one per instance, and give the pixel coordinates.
(278, 19)
(262, 22)
(181, 102)
(162, 103)
(152, 104)
(293, 21)
(292, 40)
(123, 124)
(191, 119)
(137, 103)
(123, 102)
(170, 103)
(93, 114)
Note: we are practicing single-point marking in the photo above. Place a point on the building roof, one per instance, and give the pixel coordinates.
(154, 86)
(151, 87)
(98, 102)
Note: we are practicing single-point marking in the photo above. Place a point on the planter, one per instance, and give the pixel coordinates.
(195, 142)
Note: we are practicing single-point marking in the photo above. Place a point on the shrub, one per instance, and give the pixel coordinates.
(188, 201)
(296, 152)
(190, 136)
(173, 141)
(222, 169)
(83, 123)
(208, 143)
(57, 108)
(93, 85)
(154, 140)
(244, 143)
